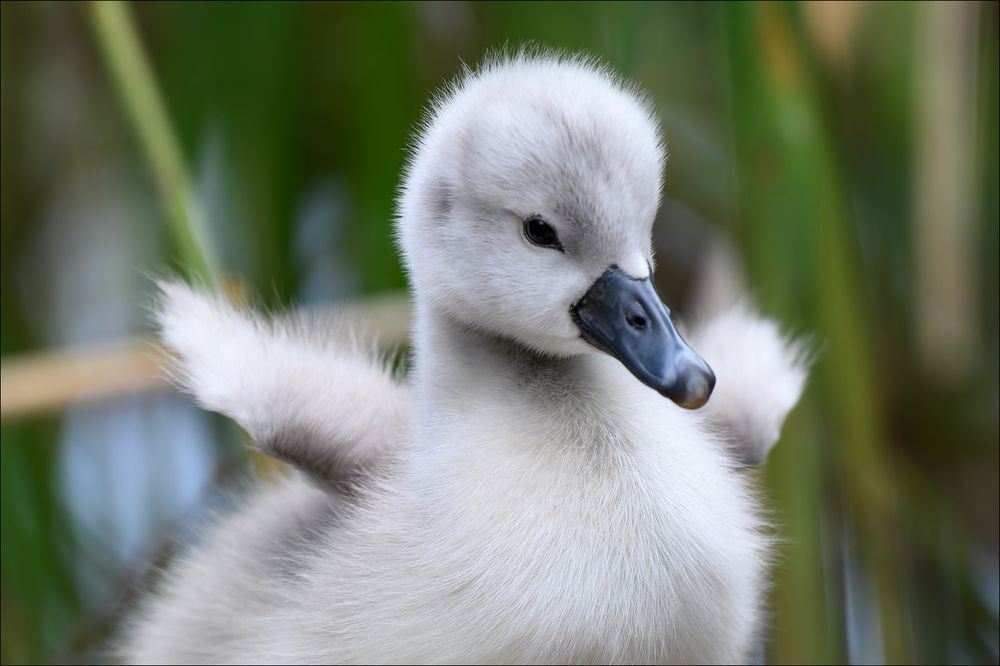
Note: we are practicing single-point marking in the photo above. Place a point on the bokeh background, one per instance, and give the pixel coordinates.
(838, 161)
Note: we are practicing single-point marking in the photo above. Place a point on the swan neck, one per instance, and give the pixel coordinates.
(452, 358)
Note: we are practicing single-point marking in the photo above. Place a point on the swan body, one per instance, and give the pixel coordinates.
(522, 497)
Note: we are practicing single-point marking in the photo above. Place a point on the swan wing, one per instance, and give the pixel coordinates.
(307, 389)
(760, 374)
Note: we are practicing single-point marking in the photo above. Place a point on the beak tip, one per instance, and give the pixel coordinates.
(695, 401)
(695, 392)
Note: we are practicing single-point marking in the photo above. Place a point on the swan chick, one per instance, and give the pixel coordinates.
(554, 481)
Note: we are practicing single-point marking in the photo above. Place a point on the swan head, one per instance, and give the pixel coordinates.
(526, 212)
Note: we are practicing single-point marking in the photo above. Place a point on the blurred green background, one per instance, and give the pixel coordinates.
(839, 161)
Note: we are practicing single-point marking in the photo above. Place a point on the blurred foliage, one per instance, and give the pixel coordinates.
(799, 131)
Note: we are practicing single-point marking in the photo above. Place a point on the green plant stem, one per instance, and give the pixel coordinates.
(133, 79)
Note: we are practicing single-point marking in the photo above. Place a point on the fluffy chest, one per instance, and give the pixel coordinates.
(598, 534)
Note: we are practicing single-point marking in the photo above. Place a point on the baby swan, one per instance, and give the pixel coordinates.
(528, 495)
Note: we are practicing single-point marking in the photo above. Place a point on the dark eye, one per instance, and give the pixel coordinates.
(541, 233)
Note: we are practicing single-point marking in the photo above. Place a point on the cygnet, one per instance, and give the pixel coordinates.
(558, 478)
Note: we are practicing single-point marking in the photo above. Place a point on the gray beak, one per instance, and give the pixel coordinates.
(625, 317)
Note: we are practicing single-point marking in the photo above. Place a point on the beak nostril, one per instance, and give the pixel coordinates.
(636, 321)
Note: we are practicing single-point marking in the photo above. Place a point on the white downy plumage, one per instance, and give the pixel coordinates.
(521, 497)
